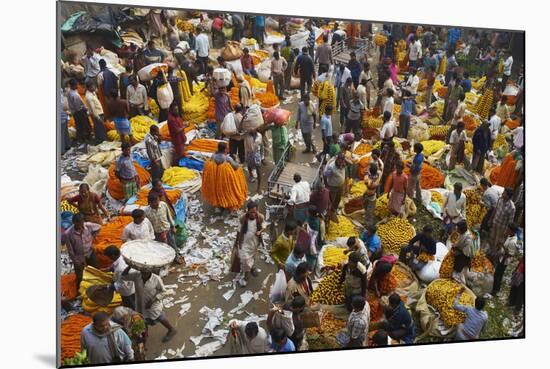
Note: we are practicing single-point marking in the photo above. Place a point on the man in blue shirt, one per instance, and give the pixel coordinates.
(416, 169)
(306, 68)
(372, 242)
(297, 257)
(475, 320)
(355, 68)
(280, 342)
(466, 83)
(407, 109)
(259, 29)
(126, 172)
(398, 322)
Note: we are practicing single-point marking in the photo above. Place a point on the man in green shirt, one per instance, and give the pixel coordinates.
(288, 54)
(279, 136)
(334, 147)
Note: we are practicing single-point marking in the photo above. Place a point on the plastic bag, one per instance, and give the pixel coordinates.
(228, 125)
(294, 82)
(419, 132)
(277, 116)
(181, 234)
(284, 321)
(150, 71)
(278, 289)
(253, 118)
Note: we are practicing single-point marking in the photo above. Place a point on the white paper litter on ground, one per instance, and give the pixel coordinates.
(227, 295)
(162, 356)
(184, 309)
(208, 349)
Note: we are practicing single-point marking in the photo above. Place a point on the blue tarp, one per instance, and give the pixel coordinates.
(66, 219)
(192, 164)
(144, 162)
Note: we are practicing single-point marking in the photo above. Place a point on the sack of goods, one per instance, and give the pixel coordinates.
(150, 71)
(222, 77)
(232, 51)
(294, 82)
(228, 125)
(147, 255)
(277, 116)
(253, 118)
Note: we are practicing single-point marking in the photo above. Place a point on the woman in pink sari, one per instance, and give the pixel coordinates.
(398, 188)
(177, 126)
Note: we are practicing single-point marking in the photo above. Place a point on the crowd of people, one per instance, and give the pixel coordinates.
(368, 83)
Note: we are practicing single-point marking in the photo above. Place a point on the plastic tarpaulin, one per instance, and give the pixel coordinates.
(105, 24)
(192, 164)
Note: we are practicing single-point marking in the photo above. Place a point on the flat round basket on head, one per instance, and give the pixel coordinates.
(147, 255)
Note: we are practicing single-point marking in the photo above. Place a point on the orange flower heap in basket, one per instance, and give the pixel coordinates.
(110, 234)
(70, 334)
(267, 99)
(387, 284)
(142, 200)
(470, 123)
(68, 286)
(222, 186)
(114, 186)
(430, 177)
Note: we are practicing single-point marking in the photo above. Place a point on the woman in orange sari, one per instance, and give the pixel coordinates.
(223, 183)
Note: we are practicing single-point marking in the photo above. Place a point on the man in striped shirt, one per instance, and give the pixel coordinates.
(311, 39)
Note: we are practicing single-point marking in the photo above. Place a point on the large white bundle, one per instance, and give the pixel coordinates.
(222, 77)
(253, 118)
(430, 272)
(150, 71)
(147, 255)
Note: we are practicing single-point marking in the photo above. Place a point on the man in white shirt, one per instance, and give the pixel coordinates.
(149, 293)
(96, 112)
(412, 82)
(518, 137)
(342, 75)
(125, 288)
(91, 64)
(362, 92)
(140, 229)
(454, 209)
(389, 102)
(507, 72)
(202, 47)
(299, 197)
(415, 52)
(136, 95)
(495, 123)
(253, 338)
(388, 129)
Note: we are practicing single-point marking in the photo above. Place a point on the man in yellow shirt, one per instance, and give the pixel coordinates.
(282, 247)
